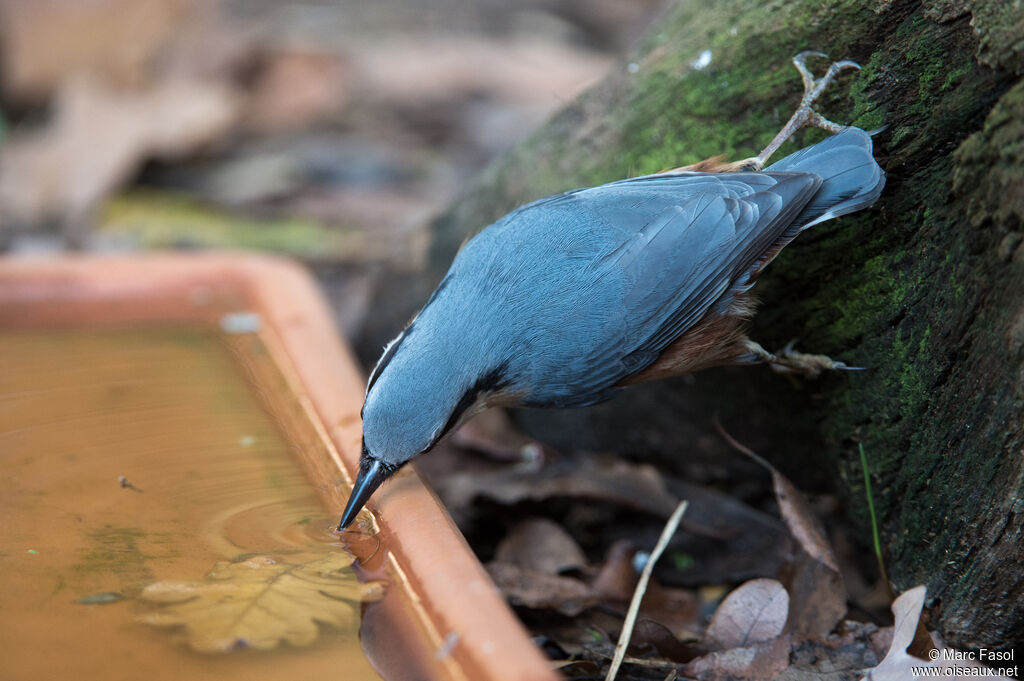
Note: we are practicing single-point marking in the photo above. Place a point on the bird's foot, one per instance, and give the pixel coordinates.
(791, 362)
(805, 114)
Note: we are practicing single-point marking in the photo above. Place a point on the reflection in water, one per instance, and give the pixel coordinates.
(131, 457)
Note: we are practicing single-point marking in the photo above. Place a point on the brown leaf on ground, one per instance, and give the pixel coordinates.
(834, 659)
(753, 613)
(620, 483)
(296, 88)
(492, 433)
(652, 633)
(428, 70)
(898, 664)
(539, 590)
(542, 545)
(616, 579)
(817, 597)
(678, 610)
(815, 584)
(728, 540)
(801, 521)
(793, 507)
(99, 136)
(262, 602)
(724, 539)
(45, 40)
(761, 661)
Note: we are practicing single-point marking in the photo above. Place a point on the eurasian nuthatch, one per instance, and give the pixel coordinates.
(566, 300)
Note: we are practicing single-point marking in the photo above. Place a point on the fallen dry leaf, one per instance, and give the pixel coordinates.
(617, 577)
(296, 88)
(760, 661)
(99, 136)
(428, 70)
(816, 588)
(730, 541)
(261, 602)
(801, 521)
(542, 545)
(898, 664)
(492, 432)
(677, 610)
(753, 613)
(620, 483)
(538, 590)
(654, 634)
(817, 596)
(45, 40)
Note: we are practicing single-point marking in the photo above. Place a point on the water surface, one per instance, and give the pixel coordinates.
(129, 457)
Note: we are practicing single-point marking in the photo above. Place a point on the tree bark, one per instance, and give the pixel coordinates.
(925, 288)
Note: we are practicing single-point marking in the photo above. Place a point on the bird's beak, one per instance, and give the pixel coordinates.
(369, 479)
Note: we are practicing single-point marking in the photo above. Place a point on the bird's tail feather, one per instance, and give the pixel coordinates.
(852, 179)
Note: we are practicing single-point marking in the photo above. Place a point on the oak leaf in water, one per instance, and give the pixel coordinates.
(260, 602)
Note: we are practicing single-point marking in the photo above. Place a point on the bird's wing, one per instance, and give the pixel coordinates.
(675, 244)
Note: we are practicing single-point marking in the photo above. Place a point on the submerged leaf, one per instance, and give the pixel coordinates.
(100, 598)
(261, 602)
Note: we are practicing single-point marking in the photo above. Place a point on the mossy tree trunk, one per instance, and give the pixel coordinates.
(926, 288)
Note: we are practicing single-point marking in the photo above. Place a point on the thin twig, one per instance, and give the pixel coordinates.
(740, 447)
(641, 589)
(647, 662)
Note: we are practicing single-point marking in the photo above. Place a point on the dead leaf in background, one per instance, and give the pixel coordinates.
(753, 613)
(817, 596)
(815, 585)
(127, 81)
(492, 433)
(898, 663)
(677, 610)
(616, 580)
(262, 602)
(731, 541)
(816, 589)
(762, 661)
(424, 70)
(636, 486)
(540, 590)
(542, 545)
(45, 40)
(295, 89)
(654, 634)
(99, 136)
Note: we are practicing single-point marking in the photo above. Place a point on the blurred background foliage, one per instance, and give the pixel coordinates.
(327, 130)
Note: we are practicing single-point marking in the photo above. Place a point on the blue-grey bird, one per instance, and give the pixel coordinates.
(566, 300)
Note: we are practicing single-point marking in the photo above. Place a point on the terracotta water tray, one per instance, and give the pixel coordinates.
(442, 619)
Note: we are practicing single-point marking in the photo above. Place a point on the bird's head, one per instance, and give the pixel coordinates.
(424, 386)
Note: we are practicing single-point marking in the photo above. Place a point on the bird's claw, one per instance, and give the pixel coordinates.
(805, 114)
(790, 361)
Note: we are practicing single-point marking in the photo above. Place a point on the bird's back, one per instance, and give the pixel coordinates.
(576, 292)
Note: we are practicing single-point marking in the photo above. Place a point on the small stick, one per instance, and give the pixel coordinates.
(641, 589)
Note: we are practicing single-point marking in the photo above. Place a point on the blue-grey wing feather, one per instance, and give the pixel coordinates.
(595, 283)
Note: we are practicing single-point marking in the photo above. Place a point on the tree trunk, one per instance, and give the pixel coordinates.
(925, 288)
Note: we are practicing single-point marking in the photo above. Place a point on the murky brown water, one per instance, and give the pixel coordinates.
(210, 477)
